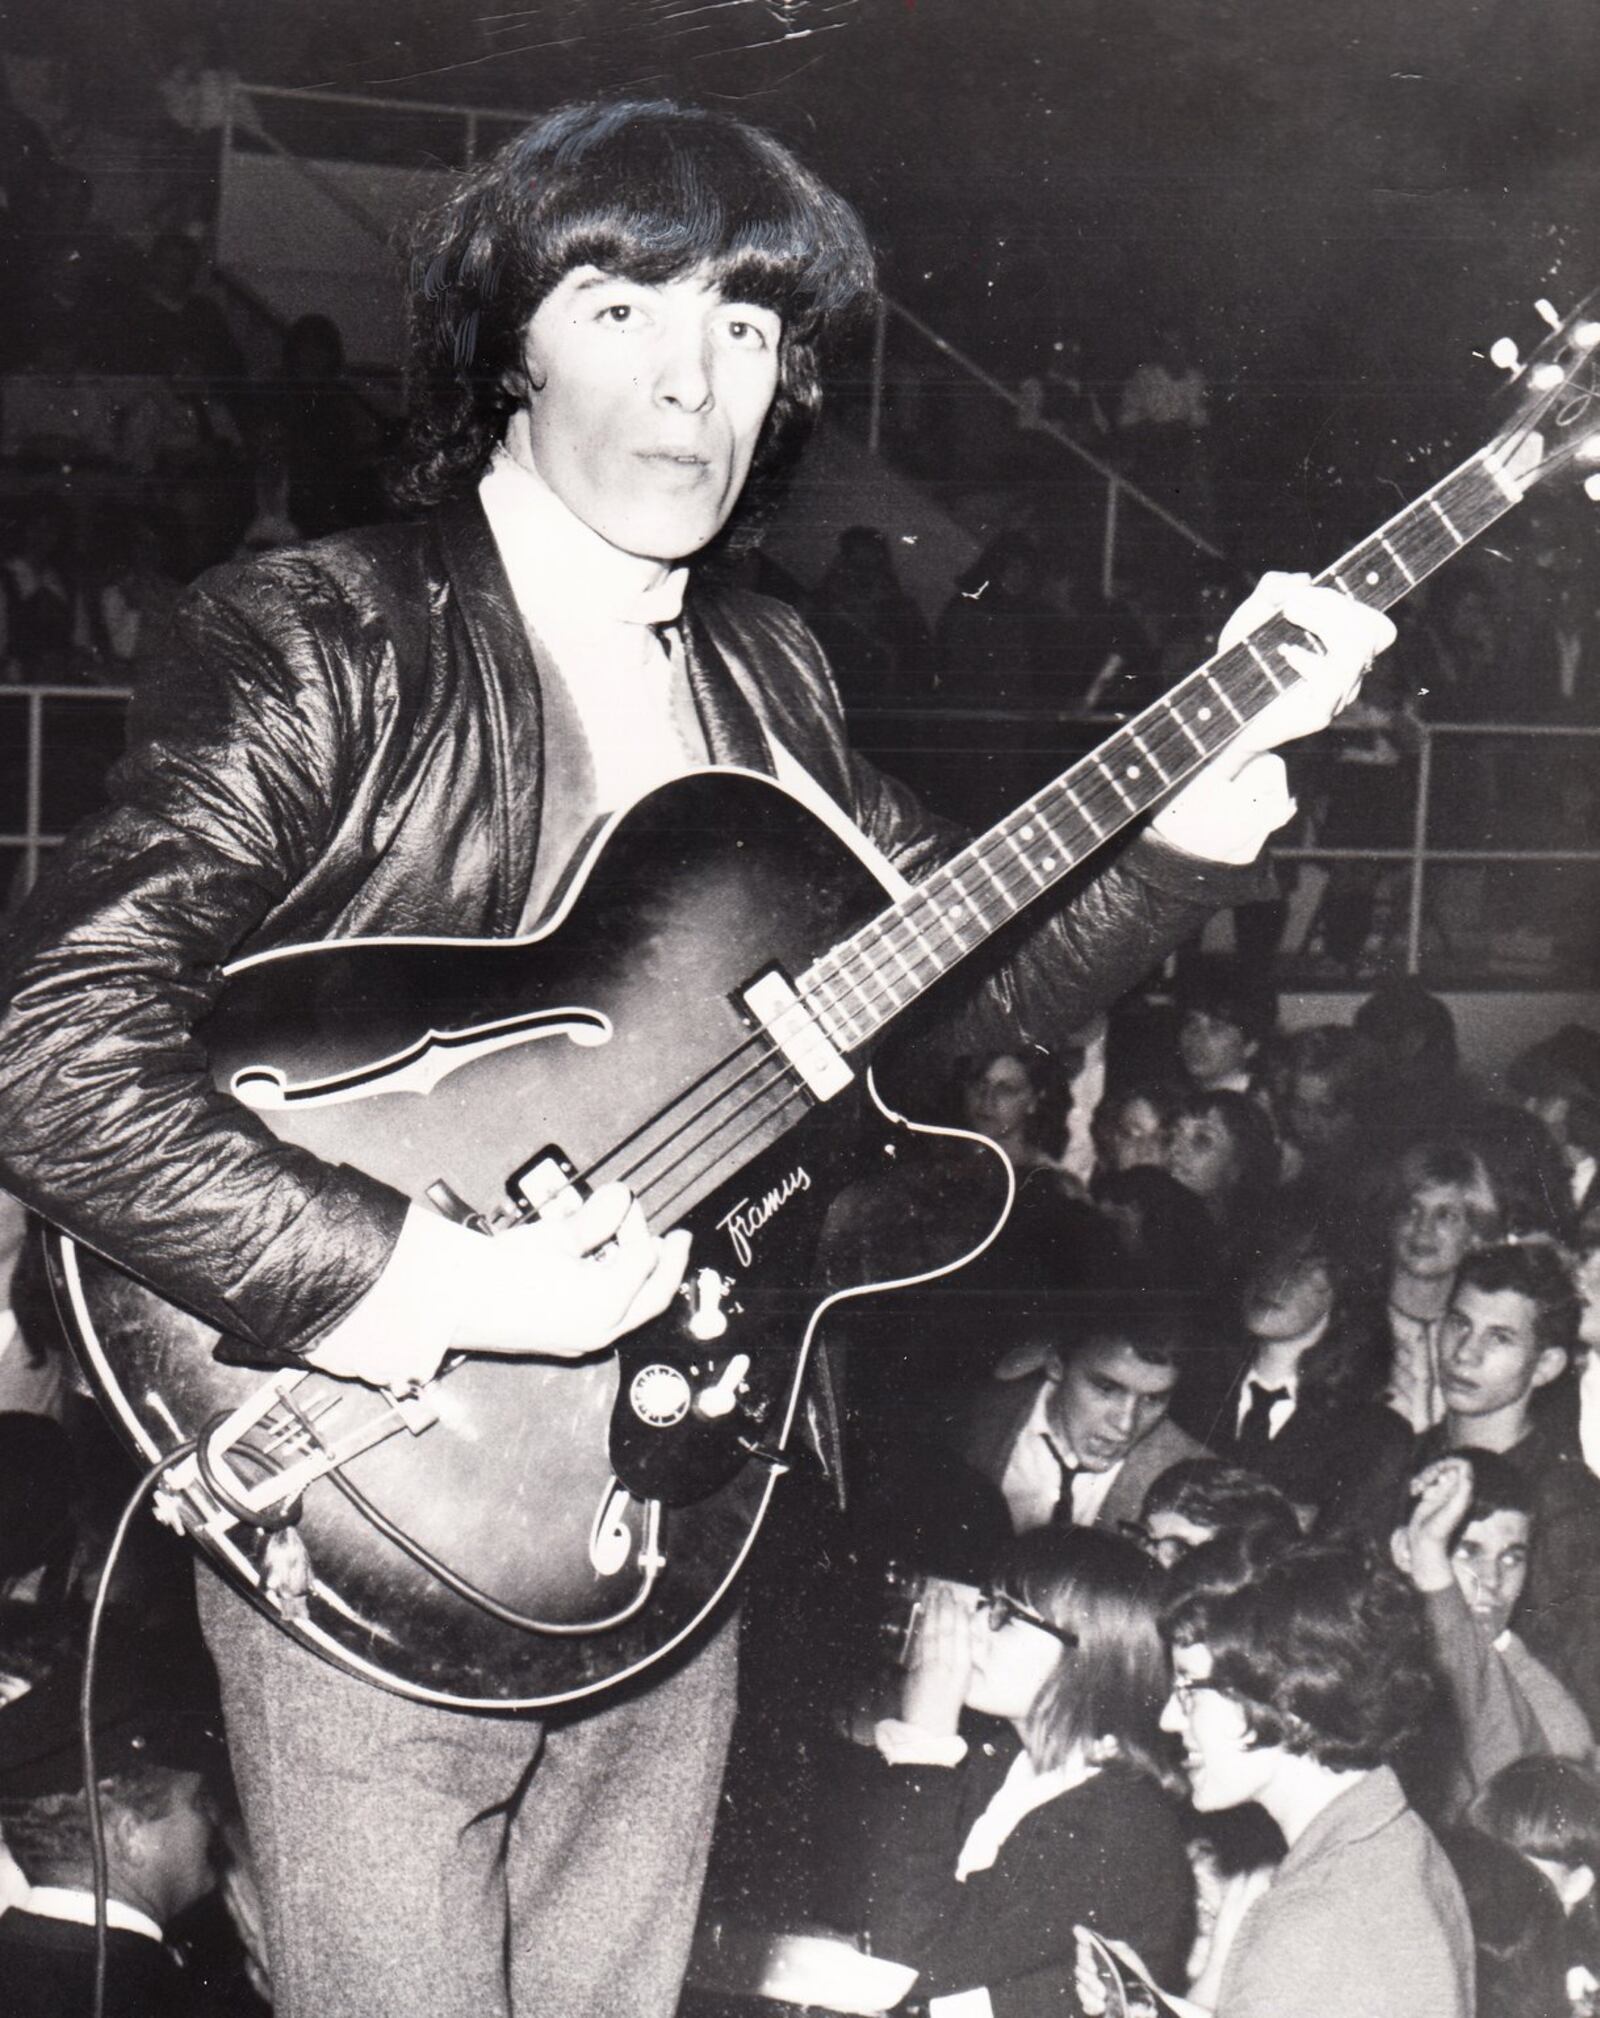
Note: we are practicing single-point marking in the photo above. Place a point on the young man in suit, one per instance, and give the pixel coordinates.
(1084, 1439)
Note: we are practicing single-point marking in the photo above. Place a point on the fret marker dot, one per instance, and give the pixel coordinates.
(1049, 862)
(1027, 833)
(1373, 578)
(1133, 770)
(1205, 715)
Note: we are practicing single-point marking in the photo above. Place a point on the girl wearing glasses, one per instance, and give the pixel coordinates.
(1023, 1787)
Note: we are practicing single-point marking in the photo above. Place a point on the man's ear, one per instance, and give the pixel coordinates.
(1053, 1367)
(1549, 1366)
(1400, 1549)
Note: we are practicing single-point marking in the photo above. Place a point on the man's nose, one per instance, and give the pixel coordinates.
(1123, 1415)
(1171, 1714)
(684, 377)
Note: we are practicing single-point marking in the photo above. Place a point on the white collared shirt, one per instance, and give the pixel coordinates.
(1032, 1481)
(1022, 1790)
(1280, 1410)
(63, 1902)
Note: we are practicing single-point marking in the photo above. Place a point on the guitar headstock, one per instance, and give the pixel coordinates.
(1556, 424)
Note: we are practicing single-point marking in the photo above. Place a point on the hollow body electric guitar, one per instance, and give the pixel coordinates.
(697, 1022)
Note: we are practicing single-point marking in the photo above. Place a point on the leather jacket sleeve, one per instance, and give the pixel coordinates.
(109, 1123)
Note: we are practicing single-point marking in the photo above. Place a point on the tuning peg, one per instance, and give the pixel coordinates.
(1546, 313)
(1503, 353)
(1591, 487)
(1586, 335)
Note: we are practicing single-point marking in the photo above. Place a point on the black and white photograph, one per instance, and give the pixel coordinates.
(800, 1009)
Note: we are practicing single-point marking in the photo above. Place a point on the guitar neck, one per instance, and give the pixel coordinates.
(861, 985)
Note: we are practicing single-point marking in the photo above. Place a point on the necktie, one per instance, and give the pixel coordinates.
(1254, 1429)
(1061, 1516)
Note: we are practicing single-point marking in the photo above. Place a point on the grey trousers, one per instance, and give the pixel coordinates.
(426, 1863)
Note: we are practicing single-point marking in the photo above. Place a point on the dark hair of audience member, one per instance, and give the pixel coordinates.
(1518, 1929)
(1411, 1029)
(1349, 1363)
(649, 190)
(1255, 1144)
(1534, 1269)
(1230, 1503)
(1158, 1329)
(1548, 1810)
(1113, 1683)
(1530, 1179)
(1229, 993)
(1326, 1650)
(38, 1530)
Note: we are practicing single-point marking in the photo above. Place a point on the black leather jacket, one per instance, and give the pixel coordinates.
(346, 738)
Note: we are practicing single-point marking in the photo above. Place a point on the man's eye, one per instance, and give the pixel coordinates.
(617, 311)
(749, 334)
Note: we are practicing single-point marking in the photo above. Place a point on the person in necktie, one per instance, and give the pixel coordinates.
(1079, 1441)
(1301, 1405)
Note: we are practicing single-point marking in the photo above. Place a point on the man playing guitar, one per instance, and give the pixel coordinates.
(410, 730)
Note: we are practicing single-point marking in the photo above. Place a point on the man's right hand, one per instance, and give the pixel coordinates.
(563, 1288)
(553, 1289)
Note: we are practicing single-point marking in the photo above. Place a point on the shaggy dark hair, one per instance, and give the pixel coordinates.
(1534, 1269)
(1250, 1132)
(1349, 1363)
(1226, 1500)
(1113, 1683)
(1546, 1808)
(1159, 1329)
(647, 189)
(1326, 1650)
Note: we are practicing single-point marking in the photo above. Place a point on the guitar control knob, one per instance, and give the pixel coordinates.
(705, 1290)
(719, 1399)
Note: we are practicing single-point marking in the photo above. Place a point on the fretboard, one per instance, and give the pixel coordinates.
(867, 980)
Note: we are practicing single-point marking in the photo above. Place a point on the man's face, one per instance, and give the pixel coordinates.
(1104, 1399)
(1490, 1564)
(1432, 1231)
(1490, 1359)
(1212, 1048)
(1226, 1768)
(647, 405)
(1138, 1136)
(1202, 1155)
(1288, 1296)
(1314, 1114)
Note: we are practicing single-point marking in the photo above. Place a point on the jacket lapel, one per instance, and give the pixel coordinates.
(732, 730)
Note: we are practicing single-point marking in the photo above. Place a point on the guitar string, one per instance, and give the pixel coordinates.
(1008, 872)
(1011, 878)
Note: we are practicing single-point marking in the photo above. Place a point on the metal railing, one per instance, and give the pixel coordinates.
(1119, 490)
(1444, 917)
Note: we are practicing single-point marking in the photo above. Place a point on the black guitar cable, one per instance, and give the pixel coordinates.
(91, 1653)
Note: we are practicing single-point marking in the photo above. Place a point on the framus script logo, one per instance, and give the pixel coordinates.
(748, 1217)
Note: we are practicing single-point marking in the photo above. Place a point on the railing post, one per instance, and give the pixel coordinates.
(1419, 842)
(880, 346)
(33, 812)
(1108, 550)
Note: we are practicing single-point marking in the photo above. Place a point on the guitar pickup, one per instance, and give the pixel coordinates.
(773, 1004)
(548, 1185)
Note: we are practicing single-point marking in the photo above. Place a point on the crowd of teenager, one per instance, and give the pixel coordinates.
(1249, 1497)
(1217, 1567)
